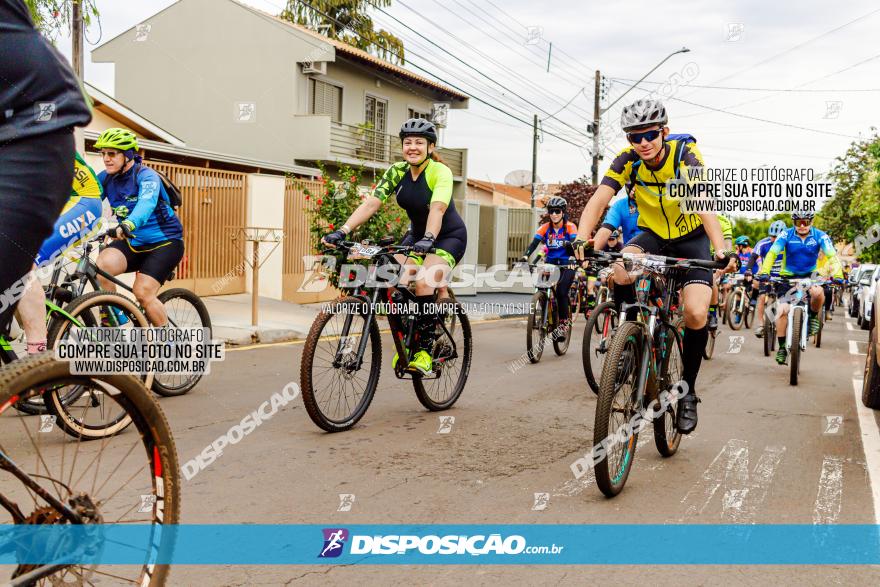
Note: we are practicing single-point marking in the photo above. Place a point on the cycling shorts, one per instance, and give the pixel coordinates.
(694, 246)
(74, 224)
(157, 261)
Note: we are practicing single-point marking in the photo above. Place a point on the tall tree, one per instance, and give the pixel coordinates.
(52, 17)
(346, 21)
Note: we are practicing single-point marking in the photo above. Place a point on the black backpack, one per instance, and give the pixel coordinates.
(175, 198)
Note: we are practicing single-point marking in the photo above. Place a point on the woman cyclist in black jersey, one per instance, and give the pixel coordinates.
(423, 187)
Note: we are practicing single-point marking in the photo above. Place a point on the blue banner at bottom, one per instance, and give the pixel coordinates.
(442, 544)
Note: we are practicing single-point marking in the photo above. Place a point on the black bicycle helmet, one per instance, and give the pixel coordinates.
(419, 127)
(557, 202)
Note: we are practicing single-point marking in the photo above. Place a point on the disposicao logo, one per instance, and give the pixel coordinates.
(334, 540)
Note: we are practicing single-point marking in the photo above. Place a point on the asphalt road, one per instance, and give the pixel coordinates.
(764, 452)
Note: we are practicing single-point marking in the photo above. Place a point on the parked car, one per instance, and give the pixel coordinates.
(856, 278)
(865, 289)
(866, 300)
(871, 385)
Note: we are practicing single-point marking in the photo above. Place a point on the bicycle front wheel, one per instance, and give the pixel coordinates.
(667, 438)
(794, 357)
(337, 383)
(91, 415)
(614, 409)
(452, 353)
(597, 339)
(131, 478)
(535, 329)
(185, 310)
(734, 312)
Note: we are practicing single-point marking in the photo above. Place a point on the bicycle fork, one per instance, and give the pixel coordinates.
(789, 330)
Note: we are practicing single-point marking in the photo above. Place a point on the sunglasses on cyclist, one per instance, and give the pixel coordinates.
(555, 211)
(803, 222)
(649, 135)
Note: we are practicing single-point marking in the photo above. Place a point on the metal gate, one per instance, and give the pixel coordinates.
(213, 200)
(300, 284)
(522, 223)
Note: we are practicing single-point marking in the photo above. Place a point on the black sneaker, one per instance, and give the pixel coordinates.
(686, 417)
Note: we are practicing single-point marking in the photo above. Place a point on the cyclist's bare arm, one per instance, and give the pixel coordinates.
(601, 238)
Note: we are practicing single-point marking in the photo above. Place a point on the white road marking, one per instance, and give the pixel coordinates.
(854, 348)
(830, 496)
(742, 494)
(849, 326)
(871, 445)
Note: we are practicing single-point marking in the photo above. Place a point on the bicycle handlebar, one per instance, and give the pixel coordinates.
(669, 261)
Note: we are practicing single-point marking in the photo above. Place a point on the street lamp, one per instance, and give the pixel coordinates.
(599, 111)
(632, 87)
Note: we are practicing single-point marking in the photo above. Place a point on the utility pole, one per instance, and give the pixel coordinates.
(597, 113)
(534, 156)
(76, 34)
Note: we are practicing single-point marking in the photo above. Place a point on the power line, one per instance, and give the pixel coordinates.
(795, 89)
(448, 83)
(746, 116)
(469, 66)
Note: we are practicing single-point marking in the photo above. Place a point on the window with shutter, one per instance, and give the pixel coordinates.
(326, 99)
(418, 114)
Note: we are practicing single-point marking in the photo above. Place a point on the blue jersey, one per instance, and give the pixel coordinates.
(760, 252)
(137, 195)
(623, 214)
(557, 240)
(801, 254)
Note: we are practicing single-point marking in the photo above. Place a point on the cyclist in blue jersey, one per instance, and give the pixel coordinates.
(759, 291)
(624, 215)
(557, 235)
(149, 238)
(743, 251)
(802, 245)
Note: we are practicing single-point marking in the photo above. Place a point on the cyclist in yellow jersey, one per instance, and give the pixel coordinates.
(78, 219)
(648, 163)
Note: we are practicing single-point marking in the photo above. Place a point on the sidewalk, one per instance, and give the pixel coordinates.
(283, 321)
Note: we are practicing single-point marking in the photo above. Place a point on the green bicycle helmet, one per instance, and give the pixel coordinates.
(742, 240)
(117, 138)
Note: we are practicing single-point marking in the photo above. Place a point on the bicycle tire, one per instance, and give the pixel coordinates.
(161, 383)
(769, 335)
(561, 344)
(667, 438)
(39, 371)
(627, 340)
(749, 317)
(794, 355)
(821, 328)
(64, 411)
(307, 382)
(535, 349)
(419, 384)
(597, 327)
(709, 349)
(734, 317)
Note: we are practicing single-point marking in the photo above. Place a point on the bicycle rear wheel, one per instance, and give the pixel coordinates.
(131, 478)
(614, 409)
(91, 415)
(337, 385)
(797, 317)
(667, 438)
(734, 314)
(535, 329)
(709, 350)
(597, 339)
(452, 353)
(185, 310)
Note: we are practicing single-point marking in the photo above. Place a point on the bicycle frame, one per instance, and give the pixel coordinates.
(801, 305)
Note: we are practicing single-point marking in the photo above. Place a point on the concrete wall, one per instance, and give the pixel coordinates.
(266, 209)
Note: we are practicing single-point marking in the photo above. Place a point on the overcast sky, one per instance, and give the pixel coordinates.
(807, 45)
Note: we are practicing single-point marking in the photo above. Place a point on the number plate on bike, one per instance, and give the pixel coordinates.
(359, 251)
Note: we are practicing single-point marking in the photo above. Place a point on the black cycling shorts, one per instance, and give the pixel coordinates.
(691, 247)
(156, 260)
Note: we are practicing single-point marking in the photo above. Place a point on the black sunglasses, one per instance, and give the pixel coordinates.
(649, 135)
(555, 210)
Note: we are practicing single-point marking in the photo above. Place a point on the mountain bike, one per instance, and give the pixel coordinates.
(543, 319)
(739, 309)
(343, 351)
(797, 331)
(130, 478)
(769, 318)
(600, 329)
(184, 308)
(643, 363)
